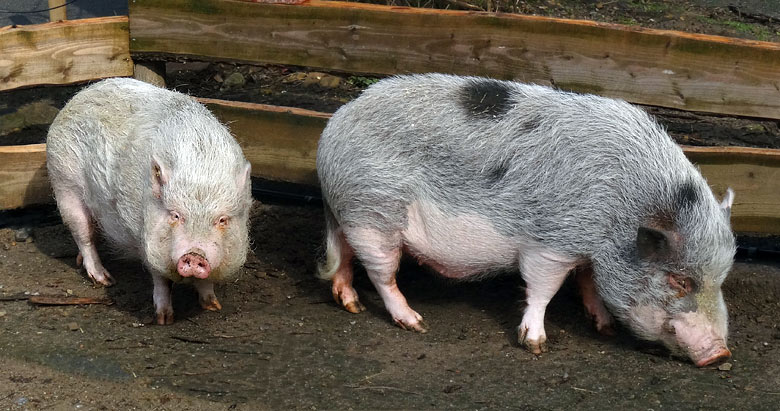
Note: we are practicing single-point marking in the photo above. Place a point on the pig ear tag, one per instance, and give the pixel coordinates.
(653, 244)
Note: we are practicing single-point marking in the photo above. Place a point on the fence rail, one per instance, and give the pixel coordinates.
(654, 67)
(281, 144)
(64, 52)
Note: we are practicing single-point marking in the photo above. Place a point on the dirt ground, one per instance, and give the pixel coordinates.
(281, 342)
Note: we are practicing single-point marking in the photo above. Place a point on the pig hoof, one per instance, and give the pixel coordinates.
(211, 304)
(606, 329)
(420, 326)
(355, 307)
(165, 318)
(102, 277)
(536, 347)
(347, 298)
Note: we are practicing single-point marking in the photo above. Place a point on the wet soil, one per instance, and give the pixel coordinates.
(281, 342)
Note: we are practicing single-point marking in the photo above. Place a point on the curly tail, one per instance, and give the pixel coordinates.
(334, 241)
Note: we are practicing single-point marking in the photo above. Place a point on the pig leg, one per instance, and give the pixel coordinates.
(338, 267)
(593, 302)
(544, 273)
(208, 300)
(381, 258)
(162, 299)
(77, 217)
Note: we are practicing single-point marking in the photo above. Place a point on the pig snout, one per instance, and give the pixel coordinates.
(700, 341)
(713, 356)
(194, 264)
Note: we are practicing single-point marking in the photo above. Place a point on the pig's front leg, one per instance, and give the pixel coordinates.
(162, 299)
(208, 300)
(593, 302)
(544, 273)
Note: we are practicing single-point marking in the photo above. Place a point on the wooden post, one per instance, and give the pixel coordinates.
(58, 13)
(152, 73)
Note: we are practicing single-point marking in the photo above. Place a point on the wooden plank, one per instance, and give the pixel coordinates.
(23, 177)
(753, 174)
(65, 52)
(281, 144)
(655, 67)
(57, 10)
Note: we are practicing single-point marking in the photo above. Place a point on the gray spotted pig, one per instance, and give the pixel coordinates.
(160, 177)
(474, 176)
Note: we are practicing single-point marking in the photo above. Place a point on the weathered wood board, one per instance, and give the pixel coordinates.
(64, 52)
(654, 67)
(281, 144)
(23, 177)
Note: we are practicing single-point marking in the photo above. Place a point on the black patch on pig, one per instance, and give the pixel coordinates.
(688, 196)
(494, 175)
(485, 99)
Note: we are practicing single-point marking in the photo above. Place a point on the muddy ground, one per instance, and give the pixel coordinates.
(281, 342)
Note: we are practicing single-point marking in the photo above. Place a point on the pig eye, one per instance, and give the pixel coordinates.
(175, 217)
(222, 222)
(683, 285)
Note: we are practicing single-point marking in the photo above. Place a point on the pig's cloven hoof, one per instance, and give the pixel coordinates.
(101, 277)
(211, 303)
(355, 307)
(346, 296)
(536, 347)
(165, 317)
(420, 326)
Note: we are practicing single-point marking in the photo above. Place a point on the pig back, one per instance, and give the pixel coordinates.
(559, 168)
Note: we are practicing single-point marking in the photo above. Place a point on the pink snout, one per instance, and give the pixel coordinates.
(193, 264)
(712, 357)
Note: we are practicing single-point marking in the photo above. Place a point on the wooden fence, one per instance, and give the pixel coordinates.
(721, 75)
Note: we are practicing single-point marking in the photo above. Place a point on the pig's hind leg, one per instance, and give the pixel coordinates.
(338, 266)
(77, 217)
(381, 255)
(544, 273)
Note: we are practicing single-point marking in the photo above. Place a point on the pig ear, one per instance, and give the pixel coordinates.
(244, 177)
(160, 177)
(727, 201)
(654, 244)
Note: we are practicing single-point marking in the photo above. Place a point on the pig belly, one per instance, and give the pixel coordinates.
(456, 246)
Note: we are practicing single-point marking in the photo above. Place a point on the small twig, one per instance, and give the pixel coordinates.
(380, 388)
(55, 300)
(15, 297)
(233, 336)
(583, 389)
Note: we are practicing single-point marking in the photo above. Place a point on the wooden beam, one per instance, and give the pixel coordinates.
(64, 52)
(57, 10)
(654, 67)
(281, 144)
(23, 177)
